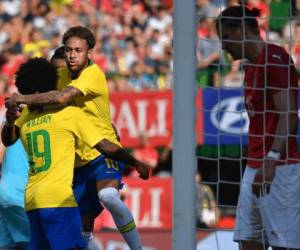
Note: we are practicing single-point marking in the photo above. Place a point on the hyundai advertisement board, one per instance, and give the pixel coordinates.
(225, 118)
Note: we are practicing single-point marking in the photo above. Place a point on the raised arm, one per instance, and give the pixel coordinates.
(10, 132)
(115, 152)
(51, 97)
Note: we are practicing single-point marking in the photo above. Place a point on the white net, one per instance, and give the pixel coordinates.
(222, 158)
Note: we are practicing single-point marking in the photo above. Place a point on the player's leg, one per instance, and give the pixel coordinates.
(108, 186)
(251, 245)
(108, 175)
(280, 209)
(90, 208)
(248, 229)
(6, 242)
(62, 227)
(18, 226)
(38, 239)
(84, 188)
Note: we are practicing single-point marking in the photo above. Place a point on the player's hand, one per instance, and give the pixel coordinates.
(12, 113)
(12, 101)
(263, 179)
(144, 170)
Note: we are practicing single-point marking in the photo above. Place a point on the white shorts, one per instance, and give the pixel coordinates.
(274, 219)
(14, 228)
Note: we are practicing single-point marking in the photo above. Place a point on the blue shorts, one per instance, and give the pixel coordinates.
(85, 178)
(55, 229)
(14, 227)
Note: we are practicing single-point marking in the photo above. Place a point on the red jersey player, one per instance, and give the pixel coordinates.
(269, 205)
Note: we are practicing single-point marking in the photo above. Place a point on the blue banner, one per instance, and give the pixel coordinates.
(225, 118)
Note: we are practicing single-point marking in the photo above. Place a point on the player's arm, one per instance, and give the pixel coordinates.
(115, 152)
(285, 105)
(10, 132)
(51, 97)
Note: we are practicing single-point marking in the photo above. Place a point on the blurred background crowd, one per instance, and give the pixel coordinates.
(134, 37)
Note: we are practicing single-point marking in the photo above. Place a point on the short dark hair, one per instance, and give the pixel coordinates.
(81, 32)
(59, 53)
(36, 75)
(235, 16)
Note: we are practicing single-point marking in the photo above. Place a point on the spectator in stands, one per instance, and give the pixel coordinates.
(206, 9)
(139, 79)
(207, 211)
(291, 38)
(209, 55)
(295, 49)
(145, 152)
(123, 29)
(37, 46)
(164, 164)
(264, 13)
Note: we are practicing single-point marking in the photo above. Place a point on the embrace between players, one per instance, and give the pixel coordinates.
(67, 123)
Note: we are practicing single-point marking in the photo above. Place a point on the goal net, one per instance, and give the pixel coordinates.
(222, 157)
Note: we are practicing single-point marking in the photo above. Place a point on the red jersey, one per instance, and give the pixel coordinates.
(272, 72)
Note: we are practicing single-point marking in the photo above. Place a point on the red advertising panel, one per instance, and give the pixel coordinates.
(152, 240)
(149, 201)
(149, 112)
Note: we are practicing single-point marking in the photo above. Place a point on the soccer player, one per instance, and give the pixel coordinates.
(49, 137)
(82, 83)
(14, 224)
(46, 132)
(58, 58)
(269, 205)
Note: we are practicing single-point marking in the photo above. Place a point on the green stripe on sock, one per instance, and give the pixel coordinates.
(128, 227)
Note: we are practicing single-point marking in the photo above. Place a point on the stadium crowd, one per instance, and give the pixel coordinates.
(134, 38)
(279, 23)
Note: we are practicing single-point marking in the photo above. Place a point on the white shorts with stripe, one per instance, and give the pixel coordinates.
(274, 219)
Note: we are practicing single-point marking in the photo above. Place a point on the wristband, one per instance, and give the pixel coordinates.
(273, 154)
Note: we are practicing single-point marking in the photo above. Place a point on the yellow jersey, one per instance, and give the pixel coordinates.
(50, 138)
(94, 102)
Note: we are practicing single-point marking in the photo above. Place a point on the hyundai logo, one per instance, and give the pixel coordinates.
(229, 116)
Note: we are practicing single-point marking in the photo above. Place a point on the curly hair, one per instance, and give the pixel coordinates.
(80, 32)
(36, 75)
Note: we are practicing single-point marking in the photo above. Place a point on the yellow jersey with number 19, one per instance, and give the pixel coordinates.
(94, 102)
(50, 138)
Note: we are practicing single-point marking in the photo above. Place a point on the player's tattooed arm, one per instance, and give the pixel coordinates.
(51, 97)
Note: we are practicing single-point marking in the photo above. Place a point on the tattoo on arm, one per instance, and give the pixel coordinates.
(113, 151)
(52, 97)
